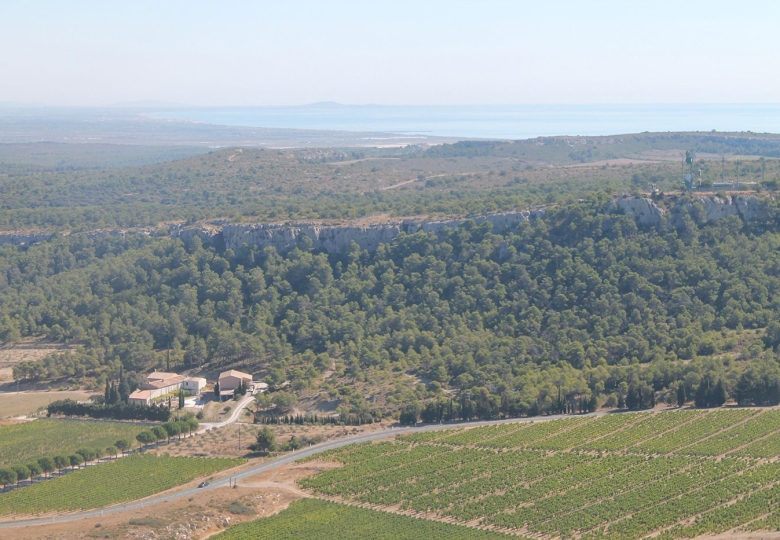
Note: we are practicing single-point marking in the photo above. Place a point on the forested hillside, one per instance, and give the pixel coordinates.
(575, 310)
(83, 187)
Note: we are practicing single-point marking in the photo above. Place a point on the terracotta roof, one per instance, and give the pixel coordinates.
(141, 394)
(234, 373)
(176, 379)
(160, 375)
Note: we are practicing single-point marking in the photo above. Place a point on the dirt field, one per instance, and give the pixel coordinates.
(23, 403)
(26, 350)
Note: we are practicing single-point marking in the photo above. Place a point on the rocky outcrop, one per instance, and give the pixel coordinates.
(206, 233)
(751, 208)
(336, 238)
(30, 238)
(644, 211)
(707, 209)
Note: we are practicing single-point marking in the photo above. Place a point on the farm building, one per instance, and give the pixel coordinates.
(229, 380)
(193, 385)
(160, 383)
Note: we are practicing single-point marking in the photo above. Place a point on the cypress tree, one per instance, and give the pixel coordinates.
(124, 391)
(681, 397)
(719, 395)
(113, 395)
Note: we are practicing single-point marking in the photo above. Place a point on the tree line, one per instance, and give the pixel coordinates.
(165, 431)
(115, 411)
(44, 466)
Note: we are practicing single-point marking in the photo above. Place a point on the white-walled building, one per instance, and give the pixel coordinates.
(161, 383)
(194, 385)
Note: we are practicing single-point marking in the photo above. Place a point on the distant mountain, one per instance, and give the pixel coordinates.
(147, 103)
(324, 105)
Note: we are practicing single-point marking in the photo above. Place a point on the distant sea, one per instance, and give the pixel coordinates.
(493, 121)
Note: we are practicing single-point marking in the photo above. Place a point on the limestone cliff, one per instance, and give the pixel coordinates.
(338, 238)
(643, 210)
(335, 238)
(646, 213)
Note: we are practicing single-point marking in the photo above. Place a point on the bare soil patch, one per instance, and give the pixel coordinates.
(11, 354)
(757, 535)
(289, 474)
(196, 518)
(26, 350)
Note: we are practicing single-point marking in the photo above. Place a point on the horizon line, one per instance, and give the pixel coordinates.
(139, 104)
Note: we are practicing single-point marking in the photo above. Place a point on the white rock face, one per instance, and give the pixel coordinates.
(337, 239)
(187, 234)
(644, 211)
(752, 208)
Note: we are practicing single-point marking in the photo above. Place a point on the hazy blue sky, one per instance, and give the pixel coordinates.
(391, 52)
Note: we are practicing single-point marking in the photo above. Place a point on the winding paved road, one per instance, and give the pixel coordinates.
(234, 415)
(265, 466)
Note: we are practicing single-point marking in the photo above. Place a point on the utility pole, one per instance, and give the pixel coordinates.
(239, 436)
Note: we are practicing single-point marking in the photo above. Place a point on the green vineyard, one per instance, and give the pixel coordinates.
(321, 520)
(678, 474)
(126, 479)
(26, 442)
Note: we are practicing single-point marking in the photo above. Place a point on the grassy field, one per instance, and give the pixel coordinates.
(23, 443)
(27, 402)
(126, 479)
(320, 520)
(677, 474)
